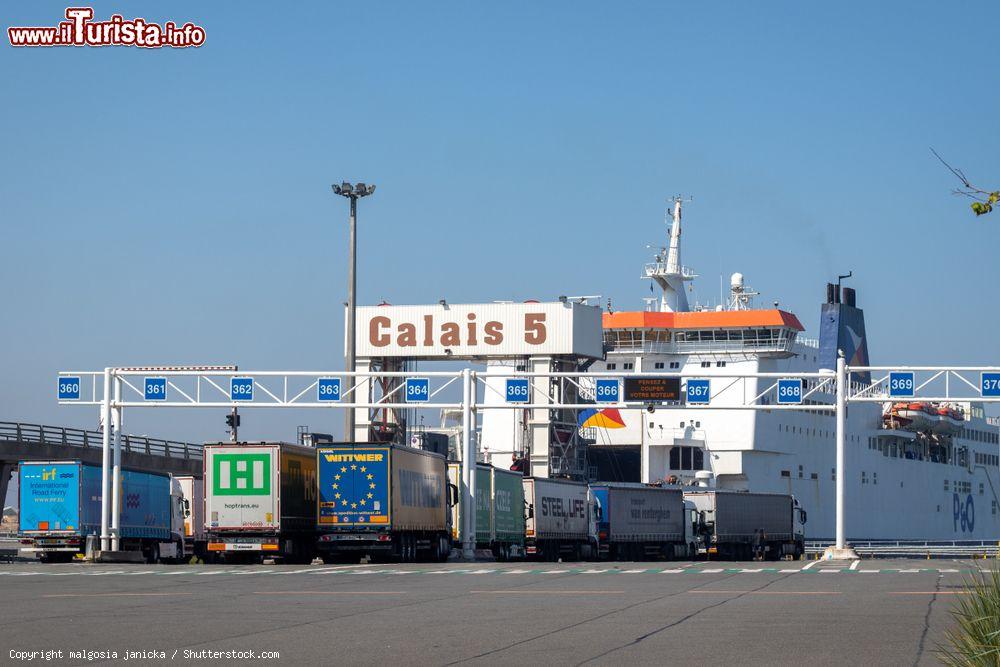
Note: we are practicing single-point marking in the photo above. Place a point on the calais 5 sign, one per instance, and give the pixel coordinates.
(479, 330)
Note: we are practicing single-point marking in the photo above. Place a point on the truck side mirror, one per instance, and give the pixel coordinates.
(530, 511)
(452, 495)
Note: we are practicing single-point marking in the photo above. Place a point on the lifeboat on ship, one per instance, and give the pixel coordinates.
(892, 418)
(949, 421)
(921, 416)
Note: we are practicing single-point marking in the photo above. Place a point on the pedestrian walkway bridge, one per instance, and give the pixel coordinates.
(37, 442)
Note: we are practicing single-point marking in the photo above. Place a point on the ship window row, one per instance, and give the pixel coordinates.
(687, 458)
(800, 430)
(976, 435)
(912, 451)
(699, 339)
(987, 459)
(865, 479)
(960, 486)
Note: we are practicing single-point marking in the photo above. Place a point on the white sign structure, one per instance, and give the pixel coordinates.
(212, 387)
(468, 331)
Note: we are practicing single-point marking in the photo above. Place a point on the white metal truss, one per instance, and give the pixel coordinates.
(937, 384)
(115, 389)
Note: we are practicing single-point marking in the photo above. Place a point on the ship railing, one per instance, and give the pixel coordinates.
(74, 437)
(660, 269)
(916, 548)
(703, 347)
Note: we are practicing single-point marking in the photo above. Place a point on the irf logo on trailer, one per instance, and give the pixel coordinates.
(241, 474)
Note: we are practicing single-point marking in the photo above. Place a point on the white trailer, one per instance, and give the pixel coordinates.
(195, 537)
(559, 519)
(735, 524)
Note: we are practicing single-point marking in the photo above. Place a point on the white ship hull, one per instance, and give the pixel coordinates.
(899, 485)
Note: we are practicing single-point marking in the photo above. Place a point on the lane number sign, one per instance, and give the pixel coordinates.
(69, 388)
(154, 389)
(241, 389)
(607, 390)
(516, 390)
(418, 390)
(790, 391)
(328, 389)
(901, 384)
(698, 392)
(989, 385)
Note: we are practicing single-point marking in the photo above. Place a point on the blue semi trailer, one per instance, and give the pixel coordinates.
(60, 505)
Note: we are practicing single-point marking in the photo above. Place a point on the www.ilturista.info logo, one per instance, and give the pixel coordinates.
(81, 30)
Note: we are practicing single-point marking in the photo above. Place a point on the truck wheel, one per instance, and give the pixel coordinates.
(444, 550)
(153, 554)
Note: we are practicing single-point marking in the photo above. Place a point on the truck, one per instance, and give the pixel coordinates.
(260, 502)
(195, 537)
(559, 520)
(60, 506)
(735, 523)
(499, 511)
(384, 501)
(642, 522)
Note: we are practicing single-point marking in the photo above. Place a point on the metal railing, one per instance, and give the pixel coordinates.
(916, 548)
(73, 437)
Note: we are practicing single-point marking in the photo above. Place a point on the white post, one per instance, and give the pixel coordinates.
(468, 506)
(841, 427)
(840, 550)
(116, 476)
(105, 459)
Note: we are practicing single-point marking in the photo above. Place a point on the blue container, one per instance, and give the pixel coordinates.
(64, 498)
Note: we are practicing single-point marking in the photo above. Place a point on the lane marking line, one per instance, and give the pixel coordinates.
(111, 595)
(854, 565)
(809, 566)
(700, 591)
(928, 592)
(537, 592)
(329, 592)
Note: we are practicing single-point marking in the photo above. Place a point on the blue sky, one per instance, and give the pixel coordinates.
(174, 206)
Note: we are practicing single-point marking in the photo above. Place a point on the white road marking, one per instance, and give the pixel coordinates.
(809, 565)
(854, 565)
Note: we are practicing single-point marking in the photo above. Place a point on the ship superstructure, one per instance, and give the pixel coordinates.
(914, 472)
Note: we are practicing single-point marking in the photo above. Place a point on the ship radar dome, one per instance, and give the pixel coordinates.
(736, 280)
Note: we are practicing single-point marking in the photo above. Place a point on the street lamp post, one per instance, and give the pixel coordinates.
(352, 192)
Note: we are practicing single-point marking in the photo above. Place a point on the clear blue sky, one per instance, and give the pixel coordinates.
(174, 206)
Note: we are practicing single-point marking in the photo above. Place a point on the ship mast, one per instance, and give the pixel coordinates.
(672, 275)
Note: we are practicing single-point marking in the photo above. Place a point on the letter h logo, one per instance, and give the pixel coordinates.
(241, 474)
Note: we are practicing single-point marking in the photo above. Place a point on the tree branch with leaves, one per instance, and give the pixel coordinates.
(983, 200)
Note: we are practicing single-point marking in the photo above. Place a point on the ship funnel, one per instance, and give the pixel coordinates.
(842, 327)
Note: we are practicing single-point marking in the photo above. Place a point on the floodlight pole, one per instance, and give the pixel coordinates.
(352, 192)
(352, 289)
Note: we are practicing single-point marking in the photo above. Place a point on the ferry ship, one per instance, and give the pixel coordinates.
(915, 471)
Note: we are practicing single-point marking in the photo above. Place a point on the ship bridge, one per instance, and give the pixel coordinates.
(769, 332)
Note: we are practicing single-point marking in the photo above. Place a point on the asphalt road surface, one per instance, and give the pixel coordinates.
(817, 612)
